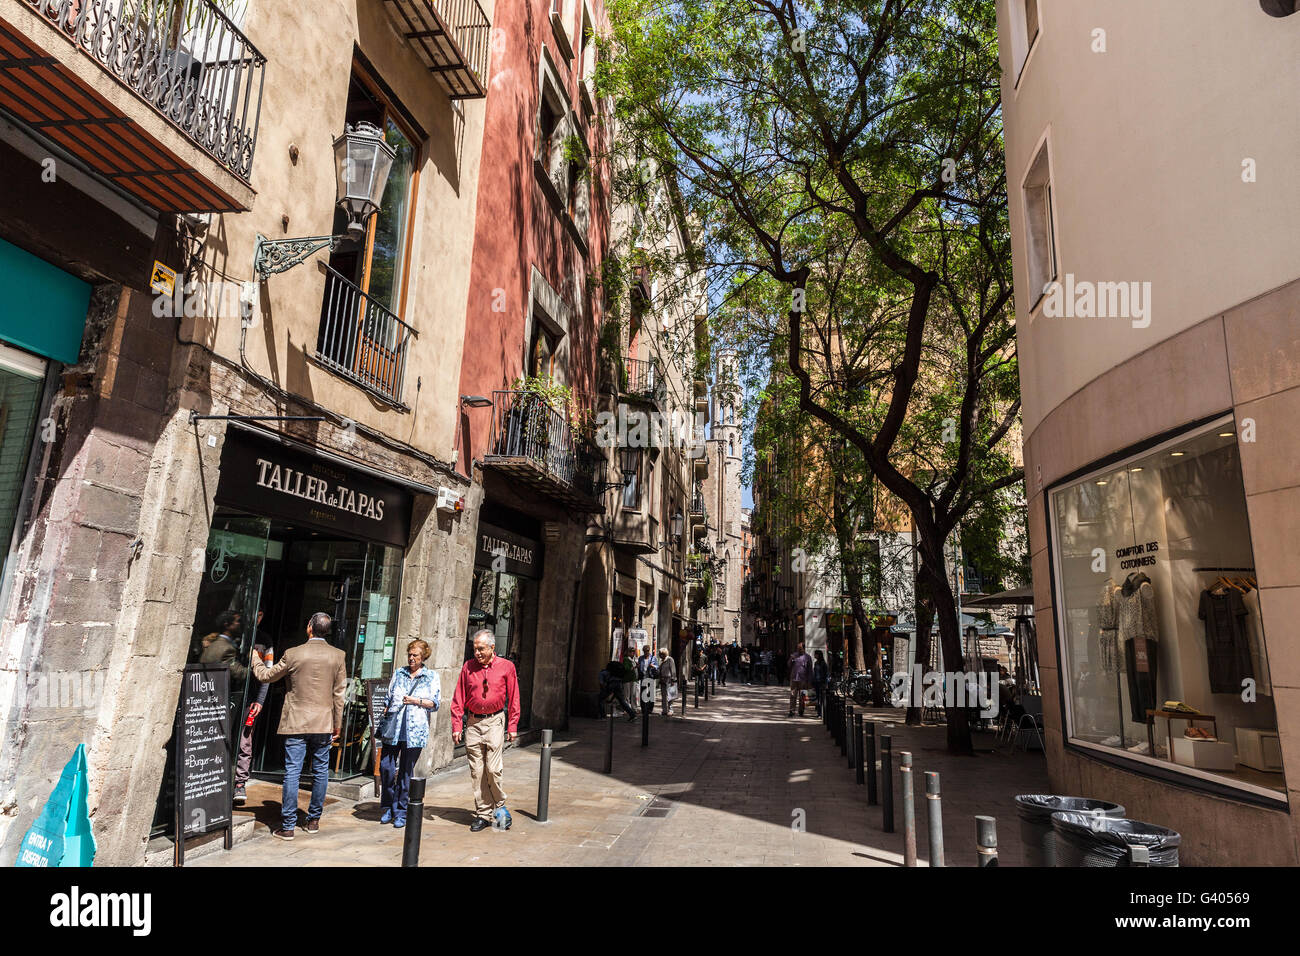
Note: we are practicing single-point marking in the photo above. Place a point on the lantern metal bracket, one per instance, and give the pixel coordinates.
(279, 255)
(604, 486)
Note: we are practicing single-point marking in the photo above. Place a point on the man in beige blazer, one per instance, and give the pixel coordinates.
(311, 718)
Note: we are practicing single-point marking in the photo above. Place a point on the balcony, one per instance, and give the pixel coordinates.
(360, 340)
(643, 381)
(129, 89)
(636, 532)
(452, 39)
(535, 444)
(697, 514)
(699, 573)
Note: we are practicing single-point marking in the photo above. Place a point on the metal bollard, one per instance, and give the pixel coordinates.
(682, 696)
(986, 841)
(544, 778)
(861, 750)
(850, 740)
(935, 817)
(609, 740)
(697, 693)
(840, 736)
(872, 795)
(909, 809)
(646, 707)
(887, 783)
(414, 818)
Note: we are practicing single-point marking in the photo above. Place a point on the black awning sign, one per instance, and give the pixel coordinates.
(503, 550)
(270, 479)
(322, 491)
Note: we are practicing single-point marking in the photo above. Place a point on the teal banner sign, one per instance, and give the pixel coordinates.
(61, 834)
(42, 308)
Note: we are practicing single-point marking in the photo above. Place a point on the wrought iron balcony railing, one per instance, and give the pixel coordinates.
(185, 58)
(536, 443)
(643, 380)
(361, 340)
(453, 39)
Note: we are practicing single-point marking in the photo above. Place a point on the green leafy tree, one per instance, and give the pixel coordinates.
(843, 162)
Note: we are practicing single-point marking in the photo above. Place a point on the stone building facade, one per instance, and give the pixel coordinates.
(136, 523)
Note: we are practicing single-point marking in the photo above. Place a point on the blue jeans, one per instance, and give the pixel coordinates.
(395, 766)
(317, 747)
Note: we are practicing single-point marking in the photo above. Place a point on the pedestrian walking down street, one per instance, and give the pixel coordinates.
(801, 666)
(820, 675)
(718, 661)
(647, 671)
(485, 712)
(745, 665)
(733, 660)
(611, 685)
(667, 679)
(700, 668)
(312, 717)
(413, 694)
(767, 666)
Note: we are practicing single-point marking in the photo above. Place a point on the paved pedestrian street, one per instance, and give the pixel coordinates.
(737, 783)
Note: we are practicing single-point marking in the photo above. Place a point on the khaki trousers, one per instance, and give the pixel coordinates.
(485, 739)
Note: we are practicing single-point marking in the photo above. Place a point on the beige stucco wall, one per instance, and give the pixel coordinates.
(1147, 142)
(1246, 360)
(309, 50)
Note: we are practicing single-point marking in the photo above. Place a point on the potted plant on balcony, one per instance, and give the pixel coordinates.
(538, 400)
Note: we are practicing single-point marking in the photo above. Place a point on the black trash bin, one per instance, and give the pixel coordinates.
(1084, 839)
(1037, 842)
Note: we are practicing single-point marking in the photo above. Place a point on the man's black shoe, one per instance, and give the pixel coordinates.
(478, 824)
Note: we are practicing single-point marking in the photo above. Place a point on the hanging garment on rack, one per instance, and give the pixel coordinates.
(1255, 638)
(1226, 647)
(1108, 620)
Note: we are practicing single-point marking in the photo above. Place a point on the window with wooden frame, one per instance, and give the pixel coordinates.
(541, 353)
(379, 265)
(362, 333)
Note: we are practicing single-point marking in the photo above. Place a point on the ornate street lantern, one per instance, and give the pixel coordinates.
(362, 162)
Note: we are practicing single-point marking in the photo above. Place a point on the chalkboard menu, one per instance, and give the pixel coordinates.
(377, 694)
(203, 758)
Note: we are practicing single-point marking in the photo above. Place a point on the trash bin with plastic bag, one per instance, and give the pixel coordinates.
(1085, 839)
(1037, 840)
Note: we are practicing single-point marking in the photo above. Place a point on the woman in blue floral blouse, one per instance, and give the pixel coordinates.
(412, 693)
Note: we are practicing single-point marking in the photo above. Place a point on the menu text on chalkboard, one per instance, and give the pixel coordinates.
(203, 758)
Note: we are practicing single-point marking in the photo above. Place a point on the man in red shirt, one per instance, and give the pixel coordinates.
(485, 711)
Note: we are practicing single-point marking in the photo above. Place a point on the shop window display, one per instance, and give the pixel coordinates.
(1162, 644)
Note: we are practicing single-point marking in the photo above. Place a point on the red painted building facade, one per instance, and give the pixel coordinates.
(534, 313)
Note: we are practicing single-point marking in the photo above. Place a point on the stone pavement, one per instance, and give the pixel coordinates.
(722, 788)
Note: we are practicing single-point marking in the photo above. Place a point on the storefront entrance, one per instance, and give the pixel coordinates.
(306, 549)
(507, 573)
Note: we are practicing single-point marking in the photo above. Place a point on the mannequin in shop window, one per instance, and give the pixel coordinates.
(1137, 633)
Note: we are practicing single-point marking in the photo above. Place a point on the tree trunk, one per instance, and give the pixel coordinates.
(945, 607)
(921, 639)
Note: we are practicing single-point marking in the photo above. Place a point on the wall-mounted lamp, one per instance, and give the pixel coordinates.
(362, 162)
(475, 401)
(677, 526)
